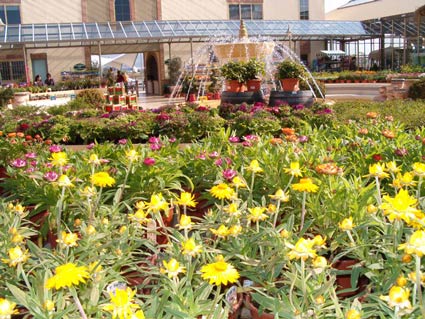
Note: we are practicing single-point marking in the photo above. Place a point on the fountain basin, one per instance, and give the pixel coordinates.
(243, 51)
(242, 97)
(278, 98)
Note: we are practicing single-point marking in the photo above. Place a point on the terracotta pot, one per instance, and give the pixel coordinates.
(254, 310)
(254, 85)
(290, 85)
(343, 280)
(234, 86)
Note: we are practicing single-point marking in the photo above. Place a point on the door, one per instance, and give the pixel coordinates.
(39, 66)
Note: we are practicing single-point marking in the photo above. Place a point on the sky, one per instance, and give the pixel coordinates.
(333, 4)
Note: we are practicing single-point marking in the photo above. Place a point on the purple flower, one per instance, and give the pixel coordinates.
(55, 149)
(260, 104)
(19, 163)
(163, 117)
(30, 155)
(50, 176)
(250, 137)
(122, 141)
(155, 146)
(401, 152)
(90, 146)
(324, 111)
(229, 174)
(213, 154)
(154, 140)
(33, 163)
(218, 162)
(149, 161)
(172, 139)
(105, 115)
(234, 139)
(298, 107)
(302, 138)
(202, 108)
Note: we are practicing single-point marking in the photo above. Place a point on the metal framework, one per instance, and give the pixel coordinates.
(145, 32)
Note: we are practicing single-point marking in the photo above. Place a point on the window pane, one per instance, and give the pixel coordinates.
(5, 71)
(304, 10)
(122, 10)
(257, 11)
(2, 14)
(13, 15)
(18, 70)
(246, 11)
(234, 12)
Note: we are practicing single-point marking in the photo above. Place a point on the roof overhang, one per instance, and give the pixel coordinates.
(147, 32)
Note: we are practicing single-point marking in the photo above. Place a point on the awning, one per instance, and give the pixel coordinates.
(45, 35)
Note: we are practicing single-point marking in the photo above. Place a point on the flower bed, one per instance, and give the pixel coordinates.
(283, 209)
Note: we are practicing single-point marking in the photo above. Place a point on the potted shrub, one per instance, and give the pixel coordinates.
(234, 75)
(289, 73)
(254, 70)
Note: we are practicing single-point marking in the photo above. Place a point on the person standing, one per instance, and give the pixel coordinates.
(38, 81)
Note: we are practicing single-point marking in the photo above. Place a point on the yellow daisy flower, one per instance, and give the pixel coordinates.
(400, 207)
(7, 308)
(238, 182)
(59, 159)
(94, 159)
(64, 181)
(280, 195)
(419, 169)
(219, 272)
(185, 222)
(257, 214)
(222, 191)
(157, 203)
(346, 224)
(132, 155)
(294, 169)
(190, 248)
(416, 244)
(222, 231)
(235, 230)
(254, 167)
(303, 249)
(232, 209)
(49, 305)
(69, 239)
(378, 170)
(16, 256)
(172, 268)
(102, 179)
(305, 185)
(398, 297)
(140, 216)
(352, 314)
(122, 304)
(186, 199)
(68, 275)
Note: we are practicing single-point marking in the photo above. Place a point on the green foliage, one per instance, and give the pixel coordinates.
(174, 66)
(289, 69)
(5, 95)
(261, 122)
(234, 70)
(417, 90)
(92, 98)
(254, 69)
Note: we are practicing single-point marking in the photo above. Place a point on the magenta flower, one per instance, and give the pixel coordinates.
(30, 170)
(234, 139)
(246, 144)
(149, 161)
(154, 140)
(90, 146)
(55, 149)
(218, 162)
(401, 152)
(213, 154)
(229, 174)
(302, 138)
(33, 163)
(30, 155)
(201, 156)
(155, 146)
(50, 176)
(172, 139)
(250, 137)
(19, 163)
(122, 141)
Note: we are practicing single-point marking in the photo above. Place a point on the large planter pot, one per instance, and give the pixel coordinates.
(234, 86)
(254, 310)
(253, 85)
(290, 85)
(291, 98)
(344, 277)
(242, 97)
(21, 98)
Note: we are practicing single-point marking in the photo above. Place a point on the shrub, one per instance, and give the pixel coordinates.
(92, 98)
(417, 90)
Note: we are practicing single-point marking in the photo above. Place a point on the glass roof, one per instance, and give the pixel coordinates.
(74, 34)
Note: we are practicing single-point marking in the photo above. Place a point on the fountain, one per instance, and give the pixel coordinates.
(196, 75)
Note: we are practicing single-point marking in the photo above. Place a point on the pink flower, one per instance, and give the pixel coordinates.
(149, 161)
(122, 141)
(234, 139)
(213, 154)
(172, 139)
(90, 146)
(218, 162)
(246, 144)
(155, 146)
(19, 163)
(50, 176)
(229, 174)
(30, 155)
(154, 140)
(55, 149)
